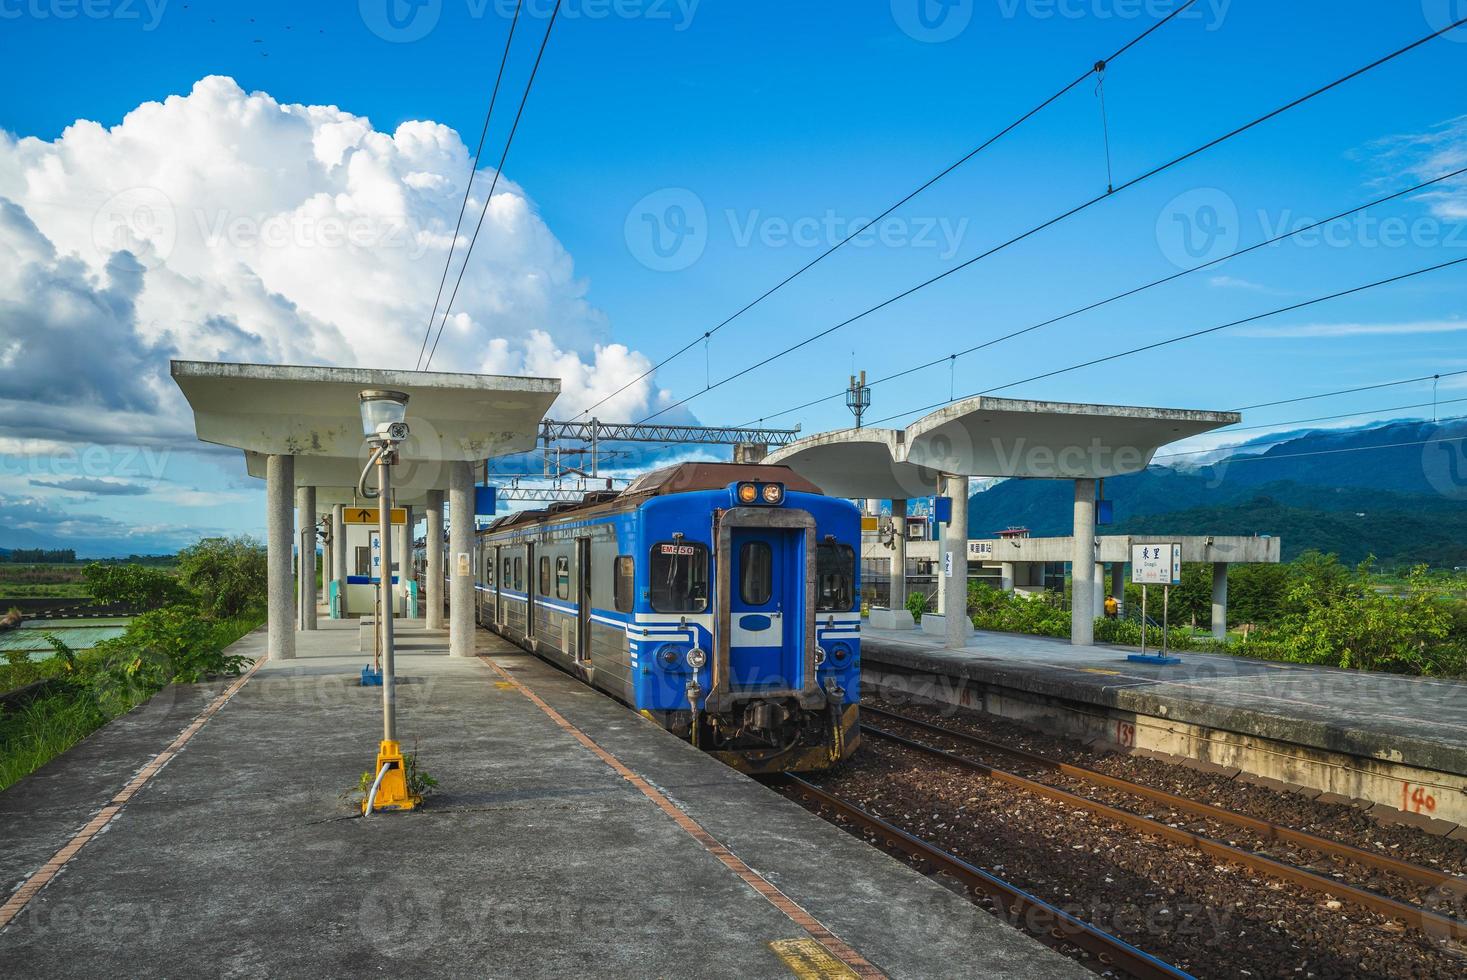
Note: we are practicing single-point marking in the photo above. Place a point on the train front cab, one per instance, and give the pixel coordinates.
(780, 689)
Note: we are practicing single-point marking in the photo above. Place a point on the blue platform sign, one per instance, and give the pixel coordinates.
(1104, 512)
(942, 510)
(486, 501)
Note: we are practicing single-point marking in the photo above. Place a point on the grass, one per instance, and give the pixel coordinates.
(35, 733)
(31, 590)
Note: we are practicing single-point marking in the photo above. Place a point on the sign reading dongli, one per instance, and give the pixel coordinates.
(1156, 564)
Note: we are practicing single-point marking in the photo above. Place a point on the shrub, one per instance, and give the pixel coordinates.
(227, 574)
(916, 605)
(994, 609)
(132, 585)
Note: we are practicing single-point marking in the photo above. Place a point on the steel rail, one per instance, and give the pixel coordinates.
(1052, 925)
(1263, 828)
(1429, 921)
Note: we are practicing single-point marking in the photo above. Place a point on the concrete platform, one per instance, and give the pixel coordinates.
(1367, 736)
(536, 858)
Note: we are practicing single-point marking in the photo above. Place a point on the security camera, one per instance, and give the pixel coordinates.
(392, 431)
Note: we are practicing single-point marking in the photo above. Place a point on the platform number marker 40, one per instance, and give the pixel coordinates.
(1156, 564)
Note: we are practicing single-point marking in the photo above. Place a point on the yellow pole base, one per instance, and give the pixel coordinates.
(392, 792)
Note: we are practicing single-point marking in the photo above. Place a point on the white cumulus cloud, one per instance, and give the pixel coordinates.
(228, 225)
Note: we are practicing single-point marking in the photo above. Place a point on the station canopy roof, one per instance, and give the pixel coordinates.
(992, 437)
(312, 413)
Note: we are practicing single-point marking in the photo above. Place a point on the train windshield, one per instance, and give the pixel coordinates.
(835, 579)
(679, 577)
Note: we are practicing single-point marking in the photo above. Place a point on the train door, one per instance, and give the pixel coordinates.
(499, 583)
(530, 581)
(766, 600)
(583, 599)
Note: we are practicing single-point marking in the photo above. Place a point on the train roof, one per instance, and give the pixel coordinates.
(680, 478)
(715, 476)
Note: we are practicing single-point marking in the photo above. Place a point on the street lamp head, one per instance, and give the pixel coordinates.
(383, 413)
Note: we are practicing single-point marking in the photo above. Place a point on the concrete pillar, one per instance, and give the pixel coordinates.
(899, 554)
(1082, 566)
(403, 550)
(1006, 576)
(433, 591)
(956, 585)
(1118, 581)
(338, 554)
(460, 560)
(326, 557)
(279, 542)
(1220, 599)
(305, 505)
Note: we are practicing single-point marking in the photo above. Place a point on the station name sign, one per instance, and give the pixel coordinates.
(1156, 564)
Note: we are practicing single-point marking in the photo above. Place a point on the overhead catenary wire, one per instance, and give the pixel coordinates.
(468, 187)
(1191, 335)
(908, 197)
(1125, 294)
(509, 141)
(1134, 181)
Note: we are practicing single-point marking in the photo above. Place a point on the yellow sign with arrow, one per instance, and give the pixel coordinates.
(371, 515)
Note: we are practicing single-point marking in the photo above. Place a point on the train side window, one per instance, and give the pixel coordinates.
(626, 577)
(519, 573)
(835, 577)
(508, 580)
(756, 573)
(679, 576)
(544, 574)
(562, 577)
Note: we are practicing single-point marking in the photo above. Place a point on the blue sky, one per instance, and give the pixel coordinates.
(758, 118)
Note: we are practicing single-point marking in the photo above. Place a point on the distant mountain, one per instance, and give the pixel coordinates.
(1326, 490)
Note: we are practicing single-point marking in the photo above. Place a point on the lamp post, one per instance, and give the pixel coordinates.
(383, 423)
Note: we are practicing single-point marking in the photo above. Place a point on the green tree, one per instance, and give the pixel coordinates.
(1338, 618)
(227, 574)
(132, 585)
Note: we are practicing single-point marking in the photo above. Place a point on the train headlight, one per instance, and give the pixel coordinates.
(773, 493)
(748, 493)
(667, 656)
(697, 658)
(840, 652)
(819, 656)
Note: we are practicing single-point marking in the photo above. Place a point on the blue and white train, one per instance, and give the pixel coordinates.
(720, 600)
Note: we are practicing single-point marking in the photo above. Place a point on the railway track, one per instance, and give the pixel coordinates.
(1444, 885)
(1051, 925)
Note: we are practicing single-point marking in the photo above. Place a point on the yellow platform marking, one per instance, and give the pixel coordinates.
(504, 685)
(1100, 670)
(808, 960)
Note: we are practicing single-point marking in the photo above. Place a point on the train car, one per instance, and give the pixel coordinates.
(720, 600)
